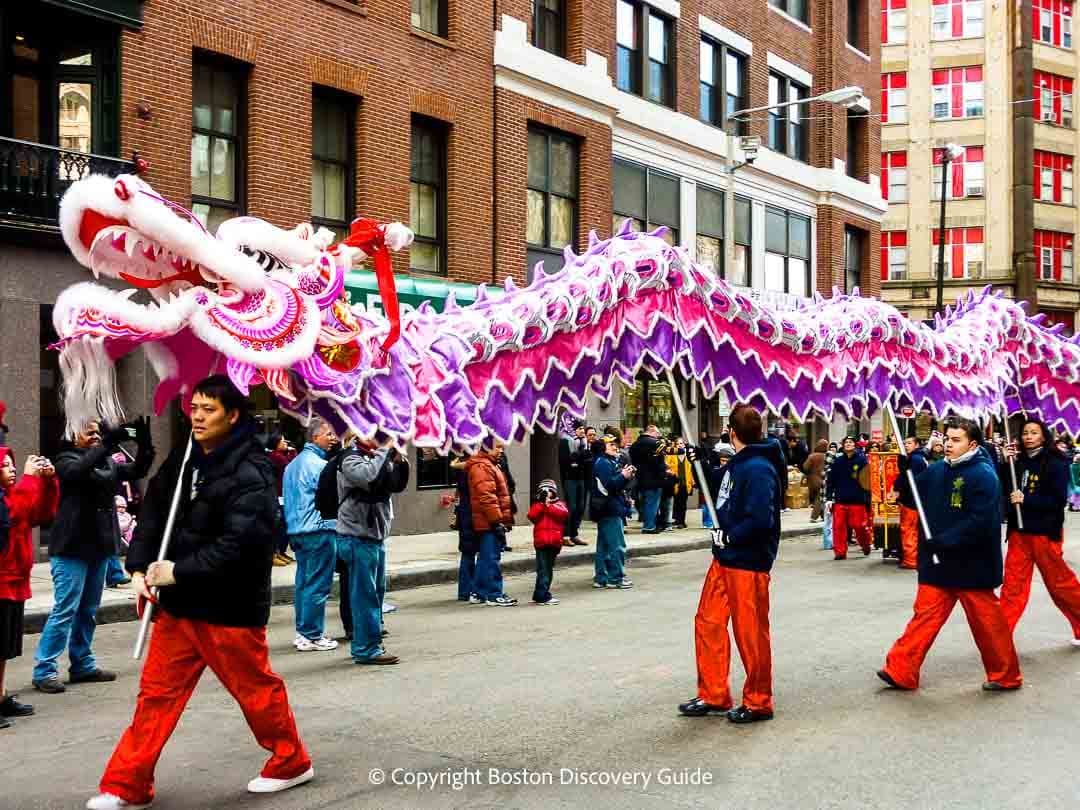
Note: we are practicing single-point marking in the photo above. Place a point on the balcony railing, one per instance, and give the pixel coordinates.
(33, 178)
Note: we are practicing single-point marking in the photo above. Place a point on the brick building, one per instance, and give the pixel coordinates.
(503, 130)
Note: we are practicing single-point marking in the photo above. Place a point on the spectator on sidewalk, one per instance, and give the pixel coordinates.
(467, 540)
(31, 502)
(115, 576)
(548, 515)
(814, 469)
(680, 468)
(213, 600)
(511, 486)
(367, 479)
(84, 536)
(3, 424)
(125, 520)
(645, 456)
(609, 508)
(574, 457)
(492, 518)
(313, 538)
(797, 451)
(281, 455)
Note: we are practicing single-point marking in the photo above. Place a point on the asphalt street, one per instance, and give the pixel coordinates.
(575, 706)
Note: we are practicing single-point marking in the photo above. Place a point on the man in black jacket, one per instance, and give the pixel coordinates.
(575, 467)
(84, 536)
(214, 599)
(646, 457)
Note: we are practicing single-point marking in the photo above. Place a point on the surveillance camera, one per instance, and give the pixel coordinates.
(749, 147)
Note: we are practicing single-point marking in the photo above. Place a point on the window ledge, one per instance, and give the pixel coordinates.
(417, 32)
(858, 51)
(793, 20)
(1055, 47)
(1054, 202)
(894, 123)
(957, 39)
(951, 118)
(1054, 124)
(355, 8)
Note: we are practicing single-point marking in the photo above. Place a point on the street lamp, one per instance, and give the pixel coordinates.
(951, 152)
(844, 96)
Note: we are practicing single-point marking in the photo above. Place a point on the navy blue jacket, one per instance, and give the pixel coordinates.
(917, 463)
(748, 510)
(608, 484)
(843, 483)
(1044, 480)
(963, 507)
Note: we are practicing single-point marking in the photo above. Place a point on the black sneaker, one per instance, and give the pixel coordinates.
(50, 685)
(10, 707)
(5, 723)
(96, 676)
(743, 715)
(699, 708)
(885, 676)
(994, 686)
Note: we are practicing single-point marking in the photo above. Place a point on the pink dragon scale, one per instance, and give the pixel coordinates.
(268, 306)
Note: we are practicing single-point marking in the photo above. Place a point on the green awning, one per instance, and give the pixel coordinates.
(412, 291)
(125, 12)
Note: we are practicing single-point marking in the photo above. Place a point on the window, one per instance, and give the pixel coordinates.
(799, 9)
(893, 22)
(1052, 22)
(1055, 256)
(788, 126)
(856, 144)
(552, 193)
(722, 83)
(957, 19)
(894, 98)
(856, 25)
(433, 470)
(740, 272)
(710, 228)
(894, 176)
(549, 26)
(854, 241)
(787, 252)
(894, 255)
(966, 174)
(217, 141)
(429, 16)
(963, 252)
(958, 93)
(645, 49)
(1053, 99)
(427, 196)
(646, 197)
(1053, 177)
(332, 165)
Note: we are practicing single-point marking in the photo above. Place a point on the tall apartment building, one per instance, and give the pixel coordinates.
(997, 80)
(502, 130)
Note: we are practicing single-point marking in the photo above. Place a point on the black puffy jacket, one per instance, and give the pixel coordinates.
(223, 541)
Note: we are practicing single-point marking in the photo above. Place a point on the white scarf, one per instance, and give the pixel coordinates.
(970, 454)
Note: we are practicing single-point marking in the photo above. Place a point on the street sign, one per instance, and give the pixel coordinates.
(907, 412)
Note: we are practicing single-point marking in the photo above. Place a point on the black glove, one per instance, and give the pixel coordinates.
(142, 433)
(111, 437)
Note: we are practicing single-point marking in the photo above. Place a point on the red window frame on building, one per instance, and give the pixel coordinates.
(1059, 11)
(962, 245)
(1058, 247)
(892, 240)
(960, 170)
(888, 7)
(1060, 87)
(1062, 168)
(1062, 316)
(956, 79)
(891, 161)
(889, 83)
(958, 19)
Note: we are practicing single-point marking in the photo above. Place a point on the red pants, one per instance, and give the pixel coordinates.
(850, 516)
(909, 538)
(932, 608)
(180, 649)
(1025, 552)
(742, 597)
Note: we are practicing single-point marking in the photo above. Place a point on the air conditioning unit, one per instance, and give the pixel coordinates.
(1048, 115)
(974, 269)
(1066, 121)
(975, 191)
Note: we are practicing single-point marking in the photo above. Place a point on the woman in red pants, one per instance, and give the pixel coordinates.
(1042, 478)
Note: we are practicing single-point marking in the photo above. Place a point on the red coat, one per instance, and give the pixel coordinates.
(30, 503)
(549, 523)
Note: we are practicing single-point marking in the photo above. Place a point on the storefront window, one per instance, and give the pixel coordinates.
(432, 470)
(648, 402)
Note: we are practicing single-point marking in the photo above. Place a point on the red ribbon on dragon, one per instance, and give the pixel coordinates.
(369, 236)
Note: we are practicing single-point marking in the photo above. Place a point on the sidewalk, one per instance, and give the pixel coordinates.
(427, 559)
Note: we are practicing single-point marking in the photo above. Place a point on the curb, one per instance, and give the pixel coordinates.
(416, 575)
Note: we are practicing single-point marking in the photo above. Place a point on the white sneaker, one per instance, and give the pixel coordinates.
(107, 801)
(475, 600)
(1076, 642)
(598, 585)
(323, 644)
(551, 601)
(297, 639)
(388, 607)
(501, 601)
(264, 784)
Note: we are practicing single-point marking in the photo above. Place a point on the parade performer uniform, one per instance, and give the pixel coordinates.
(849, 500)
(214, 600)
(1043, 478)
(909, 516)
(737, 585)
(961, 562)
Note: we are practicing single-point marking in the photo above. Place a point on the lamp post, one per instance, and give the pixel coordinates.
(950, 153)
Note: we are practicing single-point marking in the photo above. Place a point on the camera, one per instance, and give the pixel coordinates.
(750, 144)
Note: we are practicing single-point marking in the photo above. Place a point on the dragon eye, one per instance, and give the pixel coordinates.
(121, 189)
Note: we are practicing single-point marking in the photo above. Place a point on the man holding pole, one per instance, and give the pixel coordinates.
(961, 561)
(214, 599)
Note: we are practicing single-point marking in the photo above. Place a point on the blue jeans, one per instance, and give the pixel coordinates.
(610, 551)
(575, 503)
(488, 581)
(650, 506)
(316, 558)
(114, 573)
(77, 587)
(466, 575)
(363, 559)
